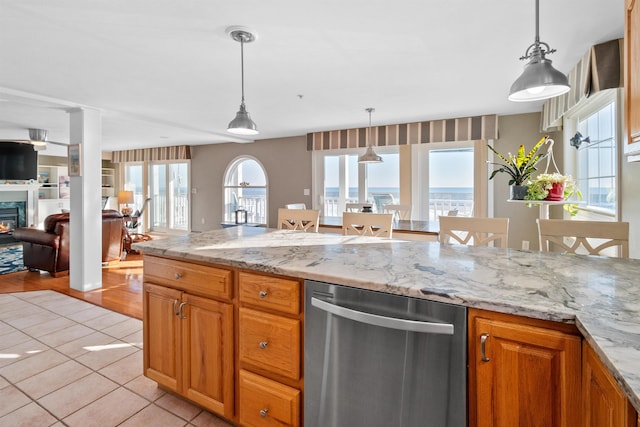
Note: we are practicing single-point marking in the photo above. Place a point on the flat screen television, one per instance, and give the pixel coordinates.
(18, 161)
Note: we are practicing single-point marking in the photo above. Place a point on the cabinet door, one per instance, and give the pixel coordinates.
(632, 73)
(162, 360)
(524, 375)
(605, 405)
(207, 344)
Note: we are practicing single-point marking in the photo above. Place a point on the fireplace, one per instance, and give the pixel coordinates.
(12, 215)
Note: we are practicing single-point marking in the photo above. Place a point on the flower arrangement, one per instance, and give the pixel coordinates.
(554, 186)
(519, 167)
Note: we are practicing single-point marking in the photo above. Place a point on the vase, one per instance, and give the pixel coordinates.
(556, 193)
(517, 192)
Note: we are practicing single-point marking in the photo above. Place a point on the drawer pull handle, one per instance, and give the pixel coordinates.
(178, 276)
(262, 294)
(181, 310)
(263, 344)
(483, 347)
(263, 412)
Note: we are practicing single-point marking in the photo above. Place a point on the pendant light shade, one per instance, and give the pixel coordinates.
(242, 123)
(369, 155)
(539, 80)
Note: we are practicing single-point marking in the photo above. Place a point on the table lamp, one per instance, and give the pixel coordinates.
(124, 198)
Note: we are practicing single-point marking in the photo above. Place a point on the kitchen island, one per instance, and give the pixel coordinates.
(599, 295)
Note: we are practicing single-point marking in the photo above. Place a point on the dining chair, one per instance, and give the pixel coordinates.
(474, 231)
(398, 211)
(298, 219)
(367, 224)
(578, 236)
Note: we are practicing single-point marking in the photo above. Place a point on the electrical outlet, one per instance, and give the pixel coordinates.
(525, 245)
(307, 192)
(202, 220)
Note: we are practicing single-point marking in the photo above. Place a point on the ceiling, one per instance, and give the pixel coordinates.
(164, 72)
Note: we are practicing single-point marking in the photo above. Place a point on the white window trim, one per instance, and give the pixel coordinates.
(317, 169)
(232, 164)
(420, 174)
(570, 154)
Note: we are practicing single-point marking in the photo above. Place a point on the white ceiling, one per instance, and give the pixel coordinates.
(164, 72)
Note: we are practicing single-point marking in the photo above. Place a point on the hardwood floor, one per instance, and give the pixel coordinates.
(121, 286)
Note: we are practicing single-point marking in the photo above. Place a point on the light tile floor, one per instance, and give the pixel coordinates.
(65, 362)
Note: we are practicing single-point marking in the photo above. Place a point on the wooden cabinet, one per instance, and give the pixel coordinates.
(522, 371)
(270, 350)
(188, 333)
(267, 403)
(632, 77)
(604, 403)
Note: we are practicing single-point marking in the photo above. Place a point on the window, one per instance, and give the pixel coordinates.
(169, 192)
(445, 179)
(343, 180)
(245, 186)
(168, 188)
(597, 160)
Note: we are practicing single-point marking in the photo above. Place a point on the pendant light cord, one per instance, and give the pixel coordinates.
(242, 66)
(537, 21)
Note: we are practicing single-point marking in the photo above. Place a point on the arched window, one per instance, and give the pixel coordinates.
(245, 186)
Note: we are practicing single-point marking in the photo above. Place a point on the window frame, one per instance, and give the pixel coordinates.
(589, 107)
(318, 169)
(225, 178)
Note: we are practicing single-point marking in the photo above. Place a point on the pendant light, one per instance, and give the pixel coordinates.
(242, 123)
(369, 156)
(539, 80)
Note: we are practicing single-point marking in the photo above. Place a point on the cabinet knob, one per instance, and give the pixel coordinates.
(262, 294)
(263, 344)
(263, 412)
(178, 276)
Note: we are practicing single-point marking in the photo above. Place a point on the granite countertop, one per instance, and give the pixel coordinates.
(600, 295)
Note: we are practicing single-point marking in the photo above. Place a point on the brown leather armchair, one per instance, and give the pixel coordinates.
(48, 249)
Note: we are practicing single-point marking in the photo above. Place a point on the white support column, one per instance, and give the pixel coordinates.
(85, 263)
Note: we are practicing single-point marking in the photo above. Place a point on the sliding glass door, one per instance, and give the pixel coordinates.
(169, 192)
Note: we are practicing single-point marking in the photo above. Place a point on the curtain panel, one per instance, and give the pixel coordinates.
(178, 152)
(599, 69)
(448, 130)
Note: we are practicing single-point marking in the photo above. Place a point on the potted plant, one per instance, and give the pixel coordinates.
(519, 167)
(553, 187)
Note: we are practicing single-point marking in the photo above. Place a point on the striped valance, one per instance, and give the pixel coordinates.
(461, 129)
(179, 152)
(600, 68)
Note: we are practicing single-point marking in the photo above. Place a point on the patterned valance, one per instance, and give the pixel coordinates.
(600, 68)
(461, 129)
(179, 152)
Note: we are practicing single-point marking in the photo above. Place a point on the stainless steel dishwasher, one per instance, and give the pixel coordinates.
(376, 359)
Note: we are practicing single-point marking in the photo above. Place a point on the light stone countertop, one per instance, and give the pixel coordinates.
(600, 295)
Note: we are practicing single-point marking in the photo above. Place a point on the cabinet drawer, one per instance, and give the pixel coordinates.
(270, 292)
(270, 342)
(264, 402)
(196, 278)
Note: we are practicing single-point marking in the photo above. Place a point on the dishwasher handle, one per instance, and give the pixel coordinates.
(383, 321)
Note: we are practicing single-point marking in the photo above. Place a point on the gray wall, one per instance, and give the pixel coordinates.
(286, 161)
(515, 130)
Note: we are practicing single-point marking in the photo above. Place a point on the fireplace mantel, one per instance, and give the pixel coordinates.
(19, 187)
(31, 199)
